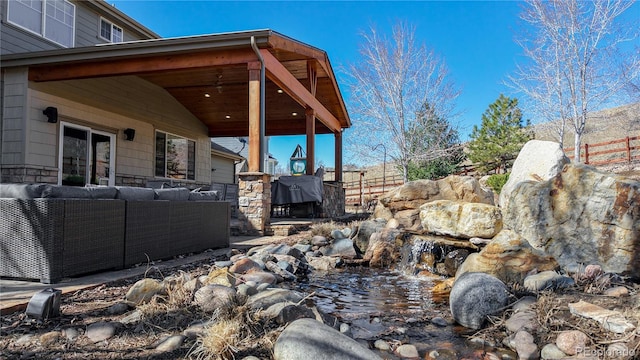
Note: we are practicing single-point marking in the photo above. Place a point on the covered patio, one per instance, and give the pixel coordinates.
(254, 83)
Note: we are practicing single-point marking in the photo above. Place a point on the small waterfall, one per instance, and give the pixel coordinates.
(416, 255)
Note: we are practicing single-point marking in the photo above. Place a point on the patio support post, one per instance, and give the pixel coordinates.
(254, 116)
(311, 140)
(338, 154)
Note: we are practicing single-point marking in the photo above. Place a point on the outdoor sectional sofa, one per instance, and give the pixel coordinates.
(50, 232)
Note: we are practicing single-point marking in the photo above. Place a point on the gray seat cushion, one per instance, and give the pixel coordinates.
(134, 193)
(204, 196)
(75, 192)
(175, 194)
(21, 191)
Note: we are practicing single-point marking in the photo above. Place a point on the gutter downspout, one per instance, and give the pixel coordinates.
(262, 94)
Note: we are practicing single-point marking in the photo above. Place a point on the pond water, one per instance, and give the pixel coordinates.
(393, 306)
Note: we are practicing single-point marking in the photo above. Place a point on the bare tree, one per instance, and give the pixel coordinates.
(393, 80)
(577, 60)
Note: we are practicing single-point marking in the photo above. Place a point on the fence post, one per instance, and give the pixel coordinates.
(361, 190)
(628, 149)
(586, 153)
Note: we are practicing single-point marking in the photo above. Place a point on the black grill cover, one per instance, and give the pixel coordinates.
(296, 189)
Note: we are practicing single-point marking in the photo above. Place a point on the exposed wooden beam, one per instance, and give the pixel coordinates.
(140, 65)
(287, 82)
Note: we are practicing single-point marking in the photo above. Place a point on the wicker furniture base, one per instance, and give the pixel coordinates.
(48, 239)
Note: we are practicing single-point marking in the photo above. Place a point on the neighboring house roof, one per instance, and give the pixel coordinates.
(222, 151)
(216, 65)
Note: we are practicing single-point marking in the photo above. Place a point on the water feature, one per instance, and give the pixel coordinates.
(395, 305)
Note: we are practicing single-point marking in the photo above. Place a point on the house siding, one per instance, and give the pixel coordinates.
(14, 111)
(225, 170)
(112, 105)
(87, 20)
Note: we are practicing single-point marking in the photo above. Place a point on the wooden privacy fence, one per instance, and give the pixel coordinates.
(364, 191)
(610, 152)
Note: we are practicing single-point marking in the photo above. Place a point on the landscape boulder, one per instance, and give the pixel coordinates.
(509, 258)
(461, 219)
(581, 216)
(415, 193)
(537, 161)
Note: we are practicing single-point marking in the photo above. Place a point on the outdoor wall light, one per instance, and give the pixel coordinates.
(52, 114)
(129, 134)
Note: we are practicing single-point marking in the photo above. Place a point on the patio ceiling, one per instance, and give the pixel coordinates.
(209, 76)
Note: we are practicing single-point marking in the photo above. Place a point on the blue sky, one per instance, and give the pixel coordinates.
(475, 38)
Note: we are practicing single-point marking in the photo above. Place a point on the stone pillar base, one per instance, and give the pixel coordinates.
(254, 203)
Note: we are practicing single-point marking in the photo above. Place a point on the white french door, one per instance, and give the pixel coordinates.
(87, 156)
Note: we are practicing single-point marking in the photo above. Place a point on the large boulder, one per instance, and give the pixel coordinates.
(509, 258)
(474, 296)
(581, 216)
(415, 193)
(462, 220)
(537, 161)
(310, 339)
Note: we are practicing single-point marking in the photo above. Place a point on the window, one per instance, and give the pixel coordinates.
(51, 19)
(110, 32)
(175, 157)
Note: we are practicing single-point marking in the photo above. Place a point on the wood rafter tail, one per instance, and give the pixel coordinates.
(283, 78)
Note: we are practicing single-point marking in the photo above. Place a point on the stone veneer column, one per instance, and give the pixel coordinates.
(254, 202)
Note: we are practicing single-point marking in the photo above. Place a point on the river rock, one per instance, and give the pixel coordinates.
(324, 263)
(221, 277)
(383, 249)
(310, 339)
(212, 297)
(523, 343)
(522, 320)
(342, 248)
(170, 343)
(407, 351)
(413, 194)
(460, 219)
(547, 280)
(49, 338)
(610, 320)
(616, 291)
(552, 352)
(319, 240)
(537, 161)
(244, 266)
(474, 296)
(260, 277)
(571, 342)
(264, 299)
(143, 290)
(364, 232)
(581, 216)
(509, 258)
(101, 331)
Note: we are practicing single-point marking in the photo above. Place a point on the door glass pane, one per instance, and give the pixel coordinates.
(100, 159)
(74, 157)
